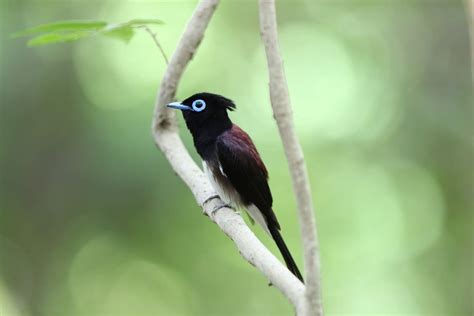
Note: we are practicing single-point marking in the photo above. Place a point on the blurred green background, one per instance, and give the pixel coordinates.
(93, 221)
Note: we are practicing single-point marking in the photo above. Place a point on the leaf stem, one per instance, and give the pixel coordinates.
(157, 43)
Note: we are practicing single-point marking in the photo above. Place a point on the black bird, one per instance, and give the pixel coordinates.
(232, 162)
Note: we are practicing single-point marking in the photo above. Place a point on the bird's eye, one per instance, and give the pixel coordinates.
(199, 105)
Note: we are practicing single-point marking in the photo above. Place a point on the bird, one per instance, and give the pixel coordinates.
(232, 163)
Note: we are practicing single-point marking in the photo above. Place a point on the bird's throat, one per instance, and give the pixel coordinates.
(206, 134)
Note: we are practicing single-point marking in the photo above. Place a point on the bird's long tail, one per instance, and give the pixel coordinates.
(290, 263)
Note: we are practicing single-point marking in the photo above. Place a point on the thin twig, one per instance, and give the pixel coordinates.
(165, 132)
(157, 43)
(280, 100)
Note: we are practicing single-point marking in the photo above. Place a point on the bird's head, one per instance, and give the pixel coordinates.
(205, 112)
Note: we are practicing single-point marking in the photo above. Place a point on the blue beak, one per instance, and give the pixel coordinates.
(179, 106)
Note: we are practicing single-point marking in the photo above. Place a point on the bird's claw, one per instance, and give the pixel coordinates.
(215, 209)
(218, 207)
(215, 196)
(209, 199)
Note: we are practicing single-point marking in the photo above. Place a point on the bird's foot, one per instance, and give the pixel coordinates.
(215, 196)
(209, 199)
(218, 207)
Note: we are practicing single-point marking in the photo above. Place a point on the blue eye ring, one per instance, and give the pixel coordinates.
(199, 105)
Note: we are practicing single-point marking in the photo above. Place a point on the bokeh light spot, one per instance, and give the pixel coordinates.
(106, 279)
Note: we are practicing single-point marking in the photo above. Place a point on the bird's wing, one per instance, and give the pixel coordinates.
(241, 164)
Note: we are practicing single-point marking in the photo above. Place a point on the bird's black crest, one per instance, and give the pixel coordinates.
(228, 103)
(215, 99)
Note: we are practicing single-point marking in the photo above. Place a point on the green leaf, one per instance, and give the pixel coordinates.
(122, 31)
(68, 31)
(51, 38)
(138, 22)
(62, 27)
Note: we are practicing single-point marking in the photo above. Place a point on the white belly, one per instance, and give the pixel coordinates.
(231, 197)
(227, 196)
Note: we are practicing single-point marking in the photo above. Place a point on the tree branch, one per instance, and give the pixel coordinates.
(281, 105)
(165, 132)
